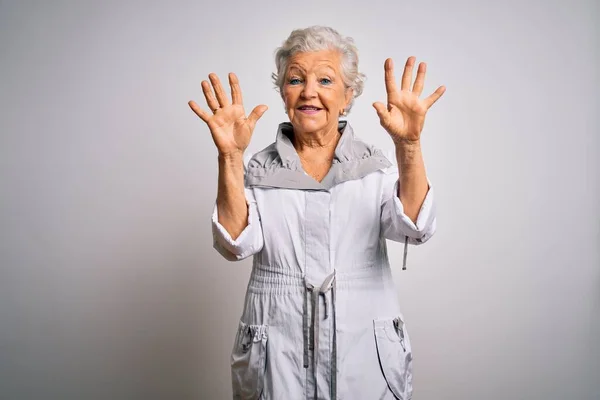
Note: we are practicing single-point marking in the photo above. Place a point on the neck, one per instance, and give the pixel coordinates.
(320, 142)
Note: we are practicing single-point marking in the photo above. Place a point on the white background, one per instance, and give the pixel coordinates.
(109, 285)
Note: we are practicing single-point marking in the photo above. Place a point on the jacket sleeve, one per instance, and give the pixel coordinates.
(395, 224)
(248, 243)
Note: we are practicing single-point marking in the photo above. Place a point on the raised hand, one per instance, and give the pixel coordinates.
(230, 128)
(404, 116)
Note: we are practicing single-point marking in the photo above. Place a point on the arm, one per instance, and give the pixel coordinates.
(413, 180)
(236, 228)
(237, 232)
(403, 118)
(231, 200)
(401, 220)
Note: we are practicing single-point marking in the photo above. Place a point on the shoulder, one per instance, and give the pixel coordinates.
(353, 149)
(265, 158)
(362, 152)
(363, 149)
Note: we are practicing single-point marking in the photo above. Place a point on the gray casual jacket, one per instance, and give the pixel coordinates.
(321, 318)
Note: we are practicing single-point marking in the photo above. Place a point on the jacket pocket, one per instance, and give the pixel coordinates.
(395, 355)
(248, 361)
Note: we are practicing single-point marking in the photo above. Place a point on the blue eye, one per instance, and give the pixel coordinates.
(294, 81)
(325, 81)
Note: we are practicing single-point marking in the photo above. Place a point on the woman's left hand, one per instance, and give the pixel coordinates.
(404, 116)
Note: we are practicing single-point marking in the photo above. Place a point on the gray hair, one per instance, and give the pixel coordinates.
(317, 38)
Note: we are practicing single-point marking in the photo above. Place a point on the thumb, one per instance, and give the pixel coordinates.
(382, 112)
(256, 114)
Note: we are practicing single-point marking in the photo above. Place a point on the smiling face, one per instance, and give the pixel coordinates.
(314, 92)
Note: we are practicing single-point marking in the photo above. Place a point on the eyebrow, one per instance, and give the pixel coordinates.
(296, 67)
(319, 67)
(331, 69)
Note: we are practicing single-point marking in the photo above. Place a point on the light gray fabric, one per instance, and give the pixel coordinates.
(279, 165)
(321, 292)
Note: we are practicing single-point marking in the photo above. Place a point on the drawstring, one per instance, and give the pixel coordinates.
(327, 285)
(305, 328)
(405, 252)
(333, 387)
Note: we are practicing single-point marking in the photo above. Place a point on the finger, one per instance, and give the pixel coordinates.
(199, 112)
(211, 101)
(382, 112)
(236, 91)
(256, 114)
(420, 81)
(429, 101)
(407, 74)
(390, 80)
(221, 95)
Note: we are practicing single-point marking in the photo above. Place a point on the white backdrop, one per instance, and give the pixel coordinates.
(109, 285)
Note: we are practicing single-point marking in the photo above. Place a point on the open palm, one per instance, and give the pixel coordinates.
(231, 130)
(404, 116)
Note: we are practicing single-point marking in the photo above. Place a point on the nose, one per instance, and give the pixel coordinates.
(309, 90)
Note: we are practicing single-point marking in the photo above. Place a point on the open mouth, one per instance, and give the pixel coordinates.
(309, 109)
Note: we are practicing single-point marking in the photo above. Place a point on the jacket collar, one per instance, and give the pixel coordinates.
(279, 164)
(287, 151)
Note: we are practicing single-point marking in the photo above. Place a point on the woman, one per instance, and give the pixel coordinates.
(314, 208)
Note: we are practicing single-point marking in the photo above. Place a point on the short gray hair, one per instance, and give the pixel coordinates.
(317, 38)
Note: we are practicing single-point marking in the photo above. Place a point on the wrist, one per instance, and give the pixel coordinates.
(408, 153)
(404, 146)
(231, 156)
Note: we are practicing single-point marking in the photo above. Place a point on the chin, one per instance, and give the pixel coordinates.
(309, 126)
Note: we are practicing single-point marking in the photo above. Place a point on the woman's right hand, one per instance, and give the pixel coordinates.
(230, 128)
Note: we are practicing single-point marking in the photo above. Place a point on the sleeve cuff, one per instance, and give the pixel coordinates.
(239, 248)
(424, 219)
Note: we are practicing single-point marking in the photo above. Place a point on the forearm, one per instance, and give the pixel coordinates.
(231, 200)
(413, 185)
